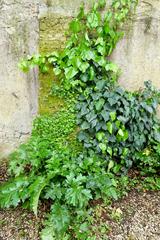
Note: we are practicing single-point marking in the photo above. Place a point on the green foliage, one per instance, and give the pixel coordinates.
(49, 132)
(11, 193)
(92, 38)
(35, 190)
(149, 160)
(60, 219)
(151, 183)
(117, 128)
(117, 123)
(69, 180)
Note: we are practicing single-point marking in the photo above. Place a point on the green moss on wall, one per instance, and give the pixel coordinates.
(52, 37)
(52, 32)
(47, 102)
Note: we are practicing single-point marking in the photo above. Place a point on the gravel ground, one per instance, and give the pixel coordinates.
(140, 220)
(19, 224)
(140, 217)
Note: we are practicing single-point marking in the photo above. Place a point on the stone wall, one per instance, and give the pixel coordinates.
(27, 24)
(19, 33)
(137, 54)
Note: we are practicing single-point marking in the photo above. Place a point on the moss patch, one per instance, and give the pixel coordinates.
(52, 32)
(47, 102)
(52, 37)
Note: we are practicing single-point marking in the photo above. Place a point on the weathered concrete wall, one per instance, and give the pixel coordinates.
(54, 16)
(19, 33)
(138, 55)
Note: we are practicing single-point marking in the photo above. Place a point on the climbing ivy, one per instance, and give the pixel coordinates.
(113, 122)
(75, 156)
(116, 123)
(92, 38)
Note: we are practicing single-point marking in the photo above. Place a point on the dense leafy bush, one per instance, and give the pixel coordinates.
(116, 128)
(118, 123)
(66, 178)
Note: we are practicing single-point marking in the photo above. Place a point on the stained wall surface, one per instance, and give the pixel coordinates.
(19, 33)
(137, 54)
(26, 25)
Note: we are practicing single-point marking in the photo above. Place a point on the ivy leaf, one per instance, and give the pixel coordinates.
(101, 61)
(121, 133)
(122, 119)
(89, 54)
(101, 49)
(85, 125)
(110, 127)
(78, 62)
(57, 71)
(99, 41)
(109, 150)
(112, 101)
(75, 26)
(100, 84)
(83, 67)
(111, 164)
(91, 116)
(118, 123)
(103, 147)
(99, 104)
(24, 65)
(100, 136)
(93, 20)
(52, 59)
(157, 136)
(70, 72)
(105, 115)
(82, 136)
(113, 116)
(43, 68)
(111, 67)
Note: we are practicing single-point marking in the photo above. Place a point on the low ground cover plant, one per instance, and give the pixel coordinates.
(84, 151)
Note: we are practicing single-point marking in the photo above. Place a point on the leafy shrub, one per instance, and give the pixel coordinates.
(118, 123)
(149, 160)
(68, 179)
(49, 133)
